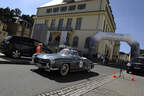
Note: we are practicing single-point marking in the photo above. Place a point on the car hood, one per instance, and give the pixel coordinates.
(49, 56)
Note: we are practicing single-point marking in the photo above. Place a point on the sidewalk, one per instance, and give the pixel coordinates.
(7, 60)
(120, 87)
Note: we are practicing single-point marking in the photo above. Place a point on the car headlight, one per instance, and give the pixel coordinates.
(52, 61)
(81, 64)
(129, 64)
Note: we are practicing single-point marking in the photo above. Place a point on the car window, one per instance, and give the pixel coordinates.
(8, 38)
(73, 52)
(27, 41)
(16, 39)
(65, 52)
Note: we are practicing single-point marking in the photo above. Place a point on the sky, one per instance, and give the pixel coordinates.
(128, 14)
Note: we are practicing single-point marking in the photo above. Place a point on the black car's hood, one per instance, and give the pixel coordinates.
(49, 56)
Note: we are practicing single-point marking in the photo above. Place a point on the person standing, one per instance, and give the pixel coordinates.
(39, 48)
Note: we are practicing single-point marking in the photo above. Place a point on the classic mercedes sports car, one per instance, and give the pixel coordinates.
(67, 60)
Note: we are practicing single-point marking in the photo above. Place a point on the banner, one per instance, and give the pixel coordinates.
(63, 37)
(47, 37)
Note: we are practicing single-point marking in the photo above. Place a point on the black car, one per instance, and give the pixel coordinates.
(136, 64)
(16, 46)
(67, 60)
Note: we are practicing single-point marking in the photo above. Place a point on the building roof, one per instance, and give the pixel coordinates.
(52, 3)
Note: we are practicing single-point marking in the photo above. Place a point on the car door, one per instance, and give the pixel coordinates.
(27, 46)
(76, 61)
(16, 43)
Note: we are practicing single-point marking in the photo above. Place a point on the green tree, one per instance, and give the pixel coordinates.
(17, 12)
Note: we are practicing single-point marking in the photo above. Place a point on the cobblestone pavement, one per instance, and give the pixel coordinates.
(79, 89)
(102, 92)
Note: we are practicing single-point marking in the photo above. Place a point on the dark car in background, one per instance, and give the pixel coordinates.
(65, 61)
(136, 64)
(16, 46)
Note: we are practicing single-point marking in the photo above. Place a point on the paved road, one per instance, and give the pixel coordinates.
(25, 80)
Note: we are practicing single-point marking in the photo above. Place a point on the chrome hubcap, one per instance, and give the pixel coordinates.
(16, 54)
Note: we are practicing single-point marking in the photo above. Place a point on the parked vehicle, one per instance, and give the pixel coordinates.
(135, 64)
(16, 46)
(67, 60)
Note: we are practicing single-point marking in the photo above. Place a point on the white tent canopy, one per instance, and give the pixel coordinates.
(135, 50)
(52, 3)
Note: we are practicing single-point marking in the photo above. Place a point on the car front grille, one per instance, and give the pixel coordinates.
(42, 61)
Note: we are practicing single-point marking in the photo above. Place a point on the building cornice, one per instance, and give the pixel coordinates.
(73, 14)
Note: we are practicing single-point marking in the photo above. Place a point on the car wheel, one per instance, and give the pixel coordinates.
(64, 69)
(88, 69)
(16, 54)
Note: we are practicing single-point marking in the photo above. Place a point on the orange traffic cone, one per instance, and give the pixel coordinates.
(114, 75)
(132, 78)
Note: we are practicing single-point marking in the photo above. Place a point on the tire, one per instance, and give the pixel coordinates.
(16, 54)
(64, 69)
(88, 70)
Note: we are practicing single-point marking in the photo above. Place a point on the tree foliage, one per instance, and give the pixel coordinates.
(7, 14)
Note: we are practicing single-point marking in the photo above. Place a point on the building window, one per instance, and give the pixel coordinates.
(60, 25)
(87, 42)
(72, 7)
(82, 6)
(67, 39)
(78, 23)
(63, 9)
(56, 9)
(50, 38)
(75, 41)
(46, 22)
(69, 23)
(53, 24)
(49, 10)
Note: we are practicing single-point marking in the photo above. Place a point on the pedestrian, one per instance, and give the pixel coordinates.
(106, 60)
(103, 59)
(121, 74)
(39, 48)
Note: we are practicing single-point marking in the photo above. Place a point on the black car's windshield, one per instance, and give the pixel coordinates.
(138, 60)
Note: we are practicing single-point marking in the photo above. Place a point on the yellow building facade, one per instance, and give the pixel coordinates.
(80, 20)
(3, 33)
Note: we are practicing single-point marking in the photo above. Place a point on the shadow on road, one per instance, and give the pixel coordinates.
(73, 76)
(7, 60)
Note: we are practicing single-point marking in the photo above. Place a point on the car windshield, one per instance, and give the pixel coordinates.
(68, 52)
(65, 52)
(138, 60)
